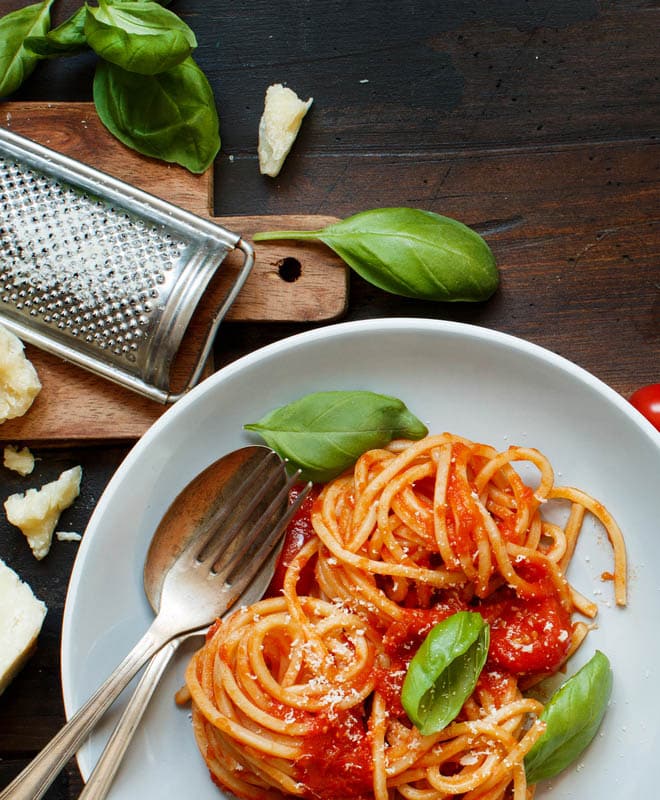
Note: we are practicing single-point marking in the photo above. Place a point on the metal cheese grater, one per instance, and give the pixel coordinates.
(100, 273)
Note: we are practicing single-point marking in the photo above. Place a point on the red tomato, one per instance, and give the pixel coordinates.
(647, 401)
(298, 533)
(526, 635)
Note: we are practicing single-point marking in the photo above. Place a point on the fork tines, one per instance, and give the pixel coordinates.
(263, 536)
(247, 525)
(235, 511)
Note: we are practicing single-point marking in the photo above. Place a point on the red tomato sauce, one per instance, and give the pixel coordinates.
(496, 683)
(460, 526)
(336, 762)
(535, 572)
(527, 635)
(401, 641)
(213, 629)
(298, 533)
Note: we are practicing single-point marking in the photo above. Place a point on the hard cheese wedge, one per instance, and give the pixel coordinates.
(21, 617)
(19, 382)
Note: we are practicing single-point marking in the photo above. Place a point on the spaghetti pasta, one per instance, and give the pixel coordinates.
(299, 695)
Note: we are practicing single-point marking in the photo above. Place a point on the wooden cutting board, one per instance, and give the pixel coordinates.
(290, 282)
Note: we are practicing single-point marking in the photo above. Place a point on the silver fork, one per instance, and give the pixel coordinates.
(205, 580)
(101, 778)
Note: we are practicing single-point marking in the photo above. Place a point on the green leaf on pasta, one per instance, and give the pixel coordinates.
(444, 671)
(572, 718)
(324, 433)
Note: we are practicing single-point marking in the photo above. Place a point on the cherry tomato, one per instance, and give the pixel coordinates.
(526, 636)
(647, 401)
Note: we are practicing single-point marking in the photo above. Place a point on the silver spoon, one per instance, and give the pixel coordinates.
(210, 545)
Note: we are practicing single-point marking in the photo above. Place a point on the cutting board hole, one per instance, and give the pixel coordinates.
(289, 269)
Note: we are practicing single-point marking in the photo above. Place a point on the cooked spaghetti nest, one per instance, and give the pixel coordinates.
(410, 525)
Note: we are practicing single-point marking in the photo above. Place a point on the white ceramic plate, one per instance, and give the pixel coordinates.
(484, 385)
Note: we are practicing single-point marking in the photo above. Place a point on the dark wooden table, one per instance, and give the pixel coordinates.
(534, 122)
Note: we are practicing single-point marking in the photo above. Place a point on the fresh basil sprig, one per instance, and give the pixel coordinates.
(325, 432)
(444, 671)
(139, 37)
(16, 62)
(67, 39)
(170, 116)
(572, 719)
(410, 252)
(148, 91)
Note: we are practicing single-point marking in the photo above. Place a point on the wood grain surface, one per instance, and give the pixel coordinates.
(535, 122)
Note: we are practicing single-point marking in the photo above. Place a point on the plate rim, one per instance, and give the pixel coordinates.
(323, 333)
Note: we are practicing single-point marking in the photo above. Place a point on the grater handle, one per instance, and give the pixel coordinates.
(248, 262)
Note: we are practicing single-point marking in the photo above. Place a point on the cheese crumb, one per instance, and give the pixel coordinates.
(37, 511)
(21, 461)
(68, 536)
(19, 382)
(279, 126)
(21, 617)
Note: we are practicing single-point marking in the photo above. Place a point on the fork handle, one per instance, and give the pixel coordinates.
(34, 780)
(106, 767)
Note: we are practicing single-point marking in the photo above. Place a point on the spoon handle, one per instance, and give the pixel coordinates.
(101, 778)
(34, 780)
(106, 767)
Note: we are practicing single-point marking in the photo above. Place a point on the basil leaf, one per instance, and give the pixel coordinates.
(139, 37)
(171, 116)
(17, 63)
(410, 252)
(444, 671)
(325, 432)
(572, 719)
(67, 39)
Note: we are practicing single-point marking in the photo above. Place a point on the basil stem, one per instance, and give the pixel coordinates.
(325, 432)
(139, 37)
(67, 39)
(444, 671)
(572, 719)
(170, 116)
(16, 62)
(410, 252)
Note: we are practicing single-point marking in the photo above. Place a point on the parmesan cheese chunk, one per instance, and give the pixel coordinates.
(21, 461)
(37, 511)
(19, 382)
(279, 126)
(21, 617)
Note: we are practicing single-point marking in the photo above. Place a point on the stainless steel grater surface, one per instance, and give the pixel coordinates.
(101, 273)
